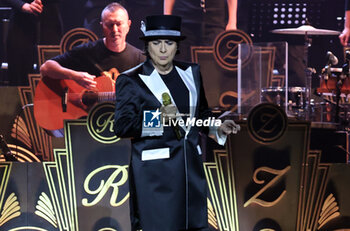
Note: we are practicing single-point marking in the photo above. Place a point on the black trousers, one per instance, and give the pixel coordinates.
(25, 33)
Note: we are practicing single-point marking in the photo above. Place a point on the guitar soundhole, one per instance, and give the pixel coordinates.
(89, 98)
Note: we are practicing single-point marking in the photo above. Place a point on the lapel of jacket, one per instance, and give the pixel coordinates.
(155, 83)
(187, 77)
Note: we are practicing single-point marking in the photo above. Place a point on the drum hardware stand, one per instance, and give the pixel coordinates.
(344, 74)
(337, 119)
(306, 30)
(309, 71)
(337, 98)
(338, 86)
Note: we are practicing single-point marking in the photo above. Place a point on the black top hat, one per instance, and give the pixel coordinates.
(162, 26)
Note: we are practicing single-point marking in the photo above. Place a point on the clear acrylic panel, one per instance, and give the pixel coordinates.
(262, 75)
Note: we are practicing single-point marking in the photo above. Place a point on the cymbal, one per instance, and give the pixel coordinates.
(305, 30)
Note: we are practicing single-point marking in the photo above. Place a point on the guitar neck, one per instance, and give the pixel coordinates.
(89, 98)
(106, 96)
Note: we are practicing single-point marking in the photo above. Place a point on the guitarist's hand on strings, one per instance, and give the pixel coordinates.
(84, 79)
(54, 70)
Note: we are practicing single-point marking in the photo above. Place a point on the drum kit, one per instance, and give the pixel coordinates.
(334, 83)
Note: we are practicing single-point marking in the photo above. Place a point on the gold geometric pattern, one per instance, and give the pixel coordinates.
(45, 210)
(26, 228)
(313, 191)
(330, 210)
(31, 140)
(211, 215)
(3, 185)
(60, 180)
(20, 131)
(22, 154)
(10, 210)
(108, 229)
(220, 178)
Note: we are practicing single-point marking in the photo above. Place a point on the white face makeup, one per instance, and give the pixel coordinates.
(162, 53)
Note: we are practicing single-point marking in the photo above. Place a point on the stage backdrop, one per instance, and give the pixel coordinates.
(84, 188)
(268, 180)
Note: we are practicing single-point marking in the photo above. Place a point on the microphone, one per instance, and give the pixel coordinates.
(332, 59)
(167, 101)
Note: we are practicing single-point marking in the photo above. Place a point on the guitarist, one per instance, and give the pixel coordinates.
(87, 61)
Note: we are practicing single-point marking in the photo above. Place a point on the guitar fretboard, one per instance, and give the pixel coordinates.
(106, 96)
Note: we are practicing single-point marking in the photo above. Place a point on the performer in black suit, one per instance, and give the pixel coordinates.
(166, 175)
(31, 23)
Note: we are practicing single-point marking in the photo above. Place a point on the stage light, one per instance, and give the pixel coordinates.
(267, 15)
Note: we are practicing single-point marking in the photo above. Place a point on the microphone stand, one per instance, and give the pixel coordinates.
(344, 74)
(338, 87)
(308, 74)
(337, 98)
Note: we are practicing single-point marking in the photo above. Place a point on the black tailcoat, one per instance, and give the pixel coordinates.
(167, 181)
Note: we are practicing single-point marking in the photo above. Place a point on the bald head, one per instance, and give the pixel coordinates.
(115, 26)
(113, 7)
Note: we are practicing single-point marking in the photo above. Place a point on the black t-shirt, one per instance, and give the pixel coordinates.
(95, 57)
(178, 90)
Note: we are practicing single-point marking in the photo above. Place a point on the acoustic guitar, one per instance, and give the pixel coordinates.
(58, 100)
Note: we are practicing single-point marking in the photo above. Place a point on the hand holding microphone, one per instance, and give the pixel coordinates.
(169, 113)
(168, 109)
